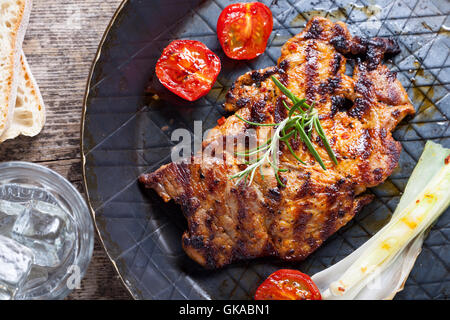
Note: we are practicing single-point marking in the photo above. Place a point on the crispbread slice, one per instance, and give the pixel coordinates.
(14, 15)
(29, 111)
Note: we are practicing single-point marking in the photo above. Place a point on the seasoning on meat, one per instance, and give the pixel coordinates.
(229, 222)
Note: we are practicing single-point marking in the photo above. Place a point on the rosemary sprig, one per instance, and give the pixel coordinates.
(324, 139)
(256, 123)
(301, 120)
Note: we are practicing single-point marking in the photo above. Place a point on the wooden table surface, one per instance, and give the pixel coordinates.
(60, 44)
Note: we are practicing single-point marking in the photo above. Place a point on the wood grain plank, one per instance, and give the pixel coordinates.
(60, 45)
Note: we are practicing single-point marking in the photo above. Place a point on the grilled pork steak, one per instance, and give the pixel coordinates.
(229, 222)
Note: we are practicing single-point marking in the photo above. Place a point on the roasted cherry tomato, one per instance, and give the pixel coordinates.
(221, 121)
(288, 284)
(243, 29)
(188, 69)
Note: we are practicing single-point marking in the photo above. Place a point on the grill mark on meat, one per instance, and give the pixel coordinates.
(360, 108)
(242, 209)
(248, 198)
(283, 77)
(311, 72)
(340, 104)
(377, 49)
(280, 112)
(198, 243)
(258, 76)
(363, 88)
(330, 86)
(396, 113)
(336, 63)
(394, 148)
(301, 222)
(338, 40)
(295, 143)
(374, 57)
(338, 212)
(371, 50)
(274, 194)
(230, 95)
(193, 227)
(329, 225)
(238, 252)
(333, 191)
(210, 258)
(314, 31)
(228, 230)
(208, 224)
(391, 96)
(362, 147)
(211, 181)
(378, 174)
(327, 89)
(242, 102)
(312, 242)
(383, 133)
(195, 242)
(364, 169)
(284, 65)
(240, 195)
(257, 113)
(188, 202)
(306, 188)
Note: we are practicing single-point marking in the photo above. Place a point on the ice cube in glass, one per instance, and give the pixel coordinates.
(15, 265)
(37, 276)
(11, 208)
(8, 214)
(6, 224)
(43, 227)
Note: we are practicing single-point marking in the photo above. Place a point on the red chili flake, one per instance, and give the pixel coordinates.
(221, 121)
(447, 160)
(417, 201)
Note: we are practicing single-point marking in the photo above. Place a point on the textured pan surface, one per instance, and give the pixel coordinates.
(126, 133)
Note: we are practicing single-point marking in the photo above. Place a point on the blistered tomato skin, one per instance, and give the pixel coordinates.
(188, 69)
(243, 29)
(288, 284)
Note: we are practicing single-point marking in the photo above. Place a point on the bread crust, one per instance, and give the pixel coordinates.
(36, 106)
(18, 35)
